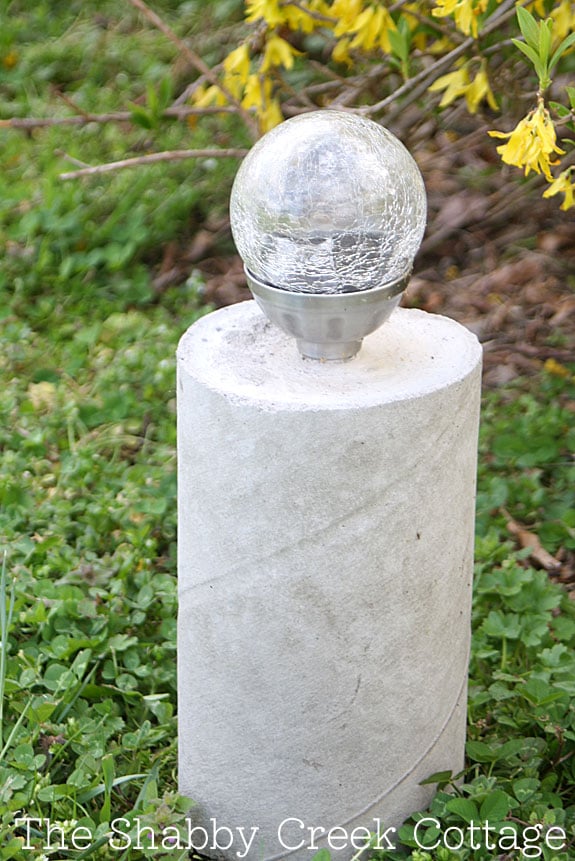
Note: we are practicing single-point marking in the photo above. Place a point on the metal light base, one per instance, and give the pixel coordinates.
(328, 327)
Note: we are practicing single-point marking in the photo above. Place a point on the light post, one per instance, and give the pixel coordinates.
(327, 212)
(325, 511)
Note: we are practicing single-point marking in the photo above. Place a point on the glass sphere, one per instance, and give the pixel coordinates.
(328, 202)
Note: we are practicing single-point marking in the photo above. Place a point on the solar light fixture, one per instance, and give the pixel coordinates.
(327, 212)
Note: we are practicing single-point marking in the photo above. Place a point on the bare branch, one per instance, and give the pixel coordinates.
(179, 112)
(154, 158)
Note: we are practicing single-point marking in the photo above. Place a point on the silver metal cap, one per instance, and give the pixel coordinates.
(327, 326)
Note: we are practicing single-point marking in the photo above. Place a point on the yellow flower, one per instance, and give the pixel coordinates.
(552, 366)
(419, 40)
(278, 52)
(238, 62)
(269, 10)
(299, 18)
(253, 96)
(340, 52)
(236, 71)
(371, 28)
(563, 185)
(538, 6)
(346, 12)
(465, 12)
(445, 7)
(366, 27)
(455, 84)
(387, 24)
(441, 46)
(563, 20)
(10, 59)
(479, 90)
(531, 143)
(271, 116)
(258, 95)
(205, 97)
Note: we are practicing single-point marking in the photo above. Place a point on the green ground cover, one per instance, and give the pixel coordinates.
(87, 486)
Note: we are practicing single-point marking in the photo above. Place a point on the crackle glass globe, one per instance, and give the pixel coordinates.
(328, 202)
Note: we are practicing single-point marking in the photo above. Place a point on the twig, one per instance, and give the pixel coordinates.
(176, 112)
(68, 101)
(154, 158)
(303, 97)
(196, 61)
(424, 76)
(71, 158)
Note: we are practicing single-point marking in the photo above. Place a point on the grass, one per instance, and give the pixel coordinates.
(87, 487)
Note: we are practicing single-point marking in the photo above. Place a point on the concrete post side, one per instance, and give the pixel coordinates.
(326, 523)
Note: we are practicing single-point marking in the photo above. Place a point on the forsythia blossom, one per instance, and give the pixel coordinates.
(552, 366)
(237, 69)
(456, 84)
(298, 17)
(563, 17)
(269, 10)
(238, 62)
(563, 185)
(478, 90)
(278, 52)
(258, 95)
(346, 12)
(371, 29)
(531, 143)
(465, 12)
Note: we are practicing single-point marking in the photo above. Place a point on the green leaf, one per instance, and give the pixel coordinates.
(528, 26)
(100, 788)
(321, 855)
(439, 777)
(55, 792)
(571, 94)
(495, 807)
(560, 110)
(478, 751)
(502, 625)
(166, 92)
(510, 749)
(464, 808)
(565, 44)
(152, 99)
(108, 771)
(141, 117)
(545, 28)
(12, 849)
(399, 45)
(540, 693)
(525, 788)
(531, 53)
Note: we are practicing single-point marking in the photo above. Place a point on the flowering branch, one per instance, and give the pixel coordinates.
(196, 61)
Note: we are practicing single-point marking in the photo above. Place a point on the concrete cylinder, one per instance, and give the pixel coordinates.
(326, 524)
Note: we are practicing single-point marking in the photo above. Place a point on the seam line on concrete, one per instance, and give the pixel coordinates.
(400, 780)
